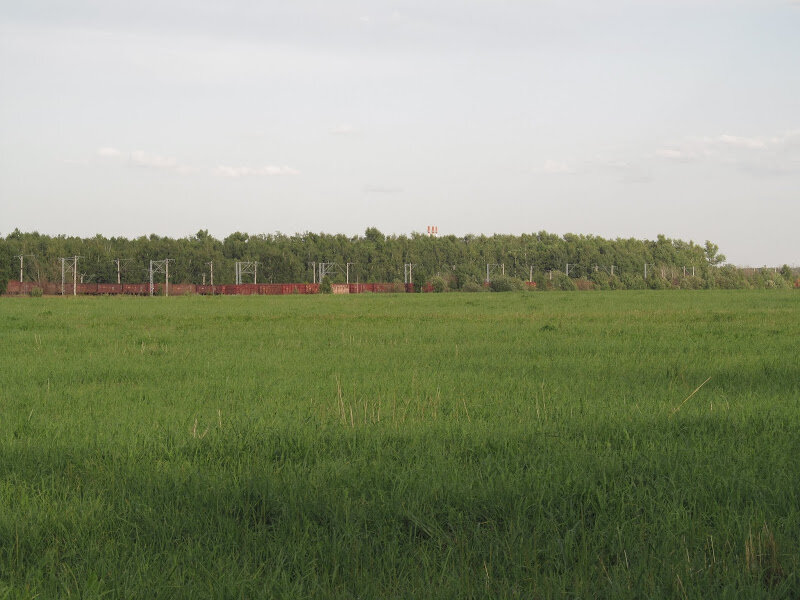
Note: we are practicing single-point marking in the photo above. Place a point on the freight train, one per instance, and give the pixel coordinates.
(47, 288)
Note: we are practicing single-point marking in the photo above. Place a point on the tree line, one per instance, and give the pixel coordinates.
(450, 262)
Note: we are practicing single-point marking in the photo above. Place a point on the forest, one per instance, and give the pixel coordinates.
(448, 262)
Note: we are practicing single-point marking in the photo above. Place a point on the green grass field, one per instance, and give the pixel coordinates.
(519, 445)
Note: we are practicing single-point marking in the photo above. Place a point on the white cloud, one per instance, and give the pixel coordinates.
(269, 170)
(144, 159)
(641, 177)
(108, 151)
(186, 170)
(343, 129)
(140, 158)
(671, 153)
(676, 154)
(626, 172)
(763, 154)
(166, 163)
(790, 139)
(742, 142)
(554, 166)
(382, 189)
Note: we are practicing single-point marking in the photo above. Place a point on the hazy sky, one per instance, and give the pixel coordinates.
(614, 118)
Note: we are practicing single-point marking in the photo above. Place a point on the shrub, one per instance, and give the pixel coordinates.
(601, 280)
(615, 283)
(540, 279)
(632, 282)
(562, 282)
(504, 283)
(654, 282)
(728, 278)
(778, 283)
(325, 286)
(691, 283)
(36, 292)
(437, 284)
(472, 286)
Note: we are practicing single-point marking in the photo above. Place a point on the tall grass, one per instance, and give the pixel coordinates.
(486, 445)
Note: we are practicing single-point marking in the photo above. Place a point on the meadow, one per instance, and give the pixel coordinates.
(486, 445)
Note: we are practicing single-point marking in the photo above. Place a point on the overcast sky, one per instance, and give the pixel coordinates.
(613, 118)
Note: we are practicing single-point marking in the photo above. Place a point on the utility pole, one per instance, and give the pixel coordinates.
(491, 267)
(210, 264)
(160, 266)
(70, 263)
(645, 269)
(21, 258)
(246, 268)
(326, 269)
(407, 268)
(119, 262)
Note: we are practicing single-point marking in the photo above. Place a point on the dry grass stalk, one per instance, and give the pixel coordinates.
(340, 401)
(697, 389)
(194, 431)
(761, 556)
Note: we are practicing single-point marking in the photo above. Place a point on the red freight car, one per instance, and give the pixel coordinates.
(109, 288)
(137, 289)
(179, 289)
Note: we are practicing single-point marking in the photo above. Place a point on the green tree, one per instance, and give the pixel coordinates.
(713, 257)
